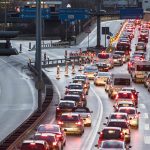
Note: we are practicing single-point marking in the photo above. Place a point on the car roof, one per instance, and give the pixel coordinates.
(44, 134)
(128, 88)
(115, 128)
(71, 95)
(118, 113)
(125, 102)
(131, 108)
(35, 141)
(74, 83)
(121, 75)
(117, 120)
(66, 101)
(71, 113)
(127, 92)
(47, 124)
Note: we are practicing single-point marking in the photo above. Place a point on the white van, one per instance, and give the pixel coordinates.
(140, 70)
(117, 82)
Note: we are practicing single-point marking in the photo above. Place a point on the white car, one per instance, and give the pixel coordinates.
(101, 78)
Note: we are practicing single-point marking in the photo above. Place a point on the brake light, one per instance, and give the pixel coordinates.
(58, 135)
(117, 96)
(136, 116)
(78, 123)
(54, 143)
(132, 96)
(101, 133)
(58, 108)
(88, 115)
(60, 123)
(121, 133)
(32, 144)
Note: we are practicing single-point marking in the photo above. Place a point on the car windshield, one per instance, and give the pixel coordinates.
(111, 134)
(103, 56)
(116, 56)
(32, 146)
(122, 81)
(128, 111)
(125, 95)
(48, 128)
(120, 53)
(118, 116)
(117, 124)
(66, 105)
(112, 144)
(69, 118)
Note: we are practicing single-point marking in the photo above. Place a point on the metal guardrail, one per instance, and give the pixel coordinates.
(52, 45)
(19, 134)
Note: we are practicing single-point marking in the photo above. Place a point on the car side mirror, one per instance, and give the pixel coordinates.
(114, 106)
(139, 112)
(66, 87)
(129, 146)
(65, 130)
(98, 132)
(130, 118)
(106, 117)
(104, 124)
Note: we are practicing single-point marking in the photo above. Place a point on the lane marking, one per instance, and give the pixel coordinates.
(146, 127)
(147, 139)
(145, 115)
(142, 106)
(94, 131)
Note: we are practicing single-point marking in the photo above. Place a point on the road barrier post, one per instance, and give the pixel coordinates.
(66, 54)
(45, 58)
(66, 70)
(58, 72)
(29, 45)
(20, 48)
(80, 63)
(30, 61)
(48, 59)
(73, 68)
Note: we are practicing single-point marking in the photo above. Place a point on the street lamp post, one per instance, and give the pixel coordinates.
(38, 54)
(5, 18)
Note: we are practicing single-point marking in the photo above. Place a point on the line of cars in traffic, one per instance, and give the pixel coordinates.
(117, 131)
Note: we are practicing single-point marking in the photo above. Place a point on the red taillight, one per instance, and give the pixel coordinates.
(78, 123)
(54, 143)
(117, 96)
(58, 135)
(132, 96)
(32, 144)
(101, 133)
(58, 108)
(121, 133)
(88, 115)
(136, 116)
(60, 123)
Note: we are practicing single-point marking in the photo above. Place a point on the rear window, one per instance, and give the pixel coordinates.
(48, 128)
(32, 146)
(80, 77)
(122, 81)
(125, 105)
(118, 116)
(103, 56)
(117, 124)
(46, 138)
(112, 144)
(143, 67)
(125, 95)
(111, 134)
(74, 92)
(69, 118)
(74, 98)
(81, 110)
(75, 87)
(66, 105)
(128, 111)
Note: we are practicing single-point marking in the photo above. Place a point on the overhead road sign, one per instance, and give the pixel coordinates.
(73, 14)
(30, 13)
(131, 13)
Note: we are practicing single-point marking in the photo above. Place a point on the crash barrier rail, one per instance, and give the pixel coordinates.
(15, 138)
(54, 62)
(52, 45)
